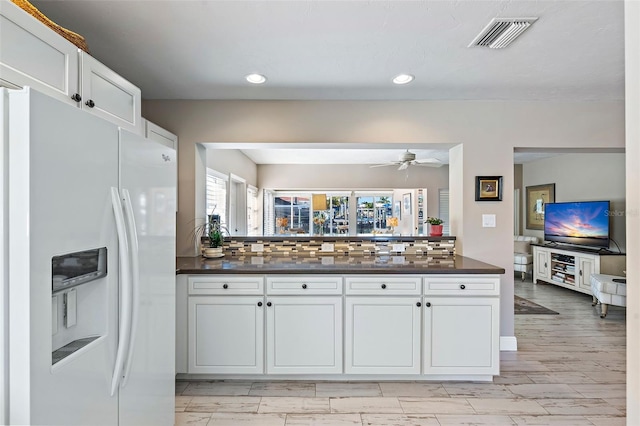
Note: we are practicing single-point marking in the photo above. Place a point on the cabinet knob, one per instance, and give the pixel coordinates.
(90, 103)
(462, 286)
(418, 304)
(304, 286)
(268, 303)
(383, 286)
(259, 303)
(76, 97)
(428, 304)
(225, 286)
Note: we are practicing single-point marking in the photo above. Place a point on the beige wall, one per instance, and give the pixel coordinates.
(486, 131)
(632, 90)
(233, 161)
(583, 177)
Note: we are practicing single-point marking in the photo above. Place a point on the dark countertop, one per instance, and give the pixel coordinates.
(335, 265)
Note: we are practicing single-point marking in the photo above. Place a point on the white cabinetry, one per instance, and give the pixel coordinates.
(36, 56)
(108, 95)
(158, 134)
(382, 329)
(572, 268)
(226, 333)
(461, 326)
(304, 325)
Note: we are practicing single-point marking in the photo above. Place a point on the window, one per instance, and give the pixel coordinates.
(372, 212)
(216, 200)
(443, 210)
(253, 223)
(292, 212)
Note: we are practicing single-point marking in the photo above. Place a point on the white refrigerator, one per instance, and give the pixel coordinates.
(88, 268)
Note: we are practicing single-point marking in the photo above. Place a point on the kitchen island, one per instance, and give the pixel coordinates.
(338, 317)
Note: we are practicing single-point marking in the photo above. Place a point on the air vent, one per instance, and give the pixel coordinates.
(501, 32)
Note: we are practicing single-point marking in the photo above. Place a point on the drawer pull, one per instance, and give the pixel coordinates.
(269, 304)
(462, 286)
(383, 286)
(259, 303)
(418, 304)
(90, 103)
(304, 286)
(428, 304)
(225, 286)
(76, 97)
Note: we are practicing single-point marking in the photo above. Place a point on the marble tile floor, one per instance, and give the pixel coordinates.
(569, 370)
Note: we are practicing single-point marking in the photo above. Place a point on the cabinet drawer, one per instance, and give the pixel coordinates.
(224, 284)
(304, 285)
(462, 285)
(372, 285)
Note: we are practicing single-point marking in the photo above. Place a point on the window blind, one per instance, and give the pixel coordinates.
(443, 209)
(253, 223)
(217, 195)
(269, 216)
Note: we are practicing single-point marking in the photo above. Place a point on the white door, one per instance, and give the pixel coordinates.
(586, 267)
(148, 175)
(382, 335)
(63, 163)
(461, 335)
(110, 96)
(541, 261)
(35, 56)
(304, 335)
(226, 334)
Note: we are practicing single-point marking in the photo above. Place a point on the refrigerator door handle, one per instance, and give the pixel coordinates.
(135, 272)
(125, 290)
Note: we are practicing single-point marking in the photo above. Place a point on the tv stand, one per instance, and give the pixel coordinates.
(571, 267)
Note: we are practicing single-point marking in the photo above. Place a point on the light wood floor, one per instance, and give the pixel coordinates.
(569, 370)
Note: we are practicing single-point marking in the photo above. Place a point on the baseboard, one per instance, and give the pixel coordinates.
(508, 343)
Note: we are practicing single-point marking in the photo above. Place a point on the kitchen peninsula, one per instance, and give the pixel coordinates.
(338, 308)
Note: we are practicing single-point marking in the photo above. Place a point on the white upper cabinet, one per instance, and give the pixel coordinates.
(110, 96)
(158, 134)
(33, 55)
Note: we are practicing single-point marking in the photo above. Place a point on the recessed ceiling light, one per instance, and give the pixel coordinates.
(256, 78)
(403, 79)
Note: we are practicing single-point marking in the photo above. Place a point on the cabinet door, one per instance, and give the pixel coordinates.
(158, 134)
(34, 55)
(304, 335)
(586, 267)
(226, 334)
(461, 335)
(110, 96)
(382, 335)
(541, 263)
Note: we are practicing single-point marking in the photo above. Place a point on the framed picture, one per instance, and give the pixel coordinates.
(406, 203)
(488, 188)
(537, 197)
(397, 210)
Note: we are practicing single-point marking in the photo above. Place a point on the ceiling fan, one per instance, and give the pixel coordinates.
(409, 159)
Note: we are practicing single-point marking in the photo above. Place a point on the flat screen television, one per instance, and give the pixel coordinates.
(584, 223)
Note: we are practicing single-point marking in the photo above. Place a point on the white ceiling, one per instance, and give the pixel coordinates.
(314, 50)
(184, 49)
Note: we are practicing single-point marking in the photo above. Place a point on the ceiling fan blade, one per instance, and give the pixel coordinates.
(403, 166)
(428, 164)
(395, 163)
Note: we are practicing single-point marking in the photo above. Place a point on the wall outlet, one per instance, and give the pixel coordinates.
(327, 247)
(399, 248)
(257, 248)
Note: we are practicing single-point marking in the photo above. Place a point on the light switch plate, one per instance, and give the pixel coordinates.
(257, 248)
(397, 248)
(488, 220)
